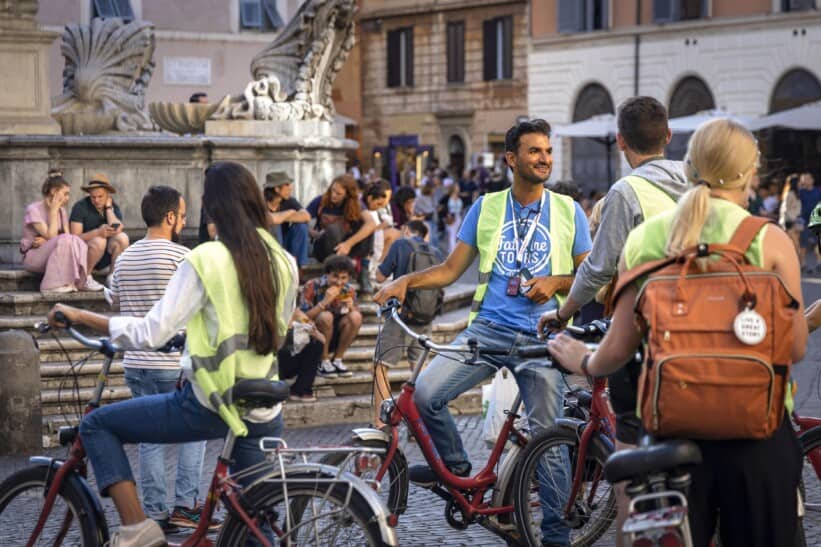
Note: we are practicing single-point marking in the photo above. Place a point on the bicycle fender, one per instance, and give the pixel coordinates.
(370, 434)
(365, 434)
(80, 483)
(368, 494)
(505, 477)
(96, 506)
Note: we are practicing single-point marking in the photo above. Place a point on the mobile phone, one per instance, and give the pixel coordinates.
(524, 275)
(115, 225)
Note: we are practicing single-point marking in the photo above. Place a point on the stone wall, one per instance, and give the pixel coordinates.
(133, 163)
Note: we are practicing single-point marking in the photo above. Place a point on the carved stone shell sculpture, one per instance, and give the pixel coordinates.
(108, 67)
(182, 118)
(294, 75)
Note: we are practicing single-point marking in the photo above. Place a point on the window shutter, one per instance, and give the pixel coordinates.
(571, 15)
(604, 10)
(664, 11)
(123, 9)
(408, 56)
(489, 49)
(250, 14)
(456, 52)
(272, 13)
(460, 48)
(394, 78)
(104, 8)
(798, 5)
(507, 48)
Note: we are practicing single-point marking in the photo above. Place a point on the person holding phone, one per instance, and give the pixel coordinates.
(46, 245)
(98, 221)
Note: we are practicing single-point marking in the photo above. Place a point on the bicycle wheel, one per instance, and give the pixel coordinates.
(393, 489)
(22, 496)
(810, 485)
(543, 478)
(321, 514)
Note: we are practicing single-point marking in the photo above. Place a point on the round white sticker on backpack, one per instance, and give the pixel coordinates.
(750, 328)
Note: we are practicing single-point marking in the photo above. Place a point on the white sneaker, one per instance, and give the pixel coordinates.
(63, 289)
(326, 369)
(91, 285)
(341, 370)
(144, 534)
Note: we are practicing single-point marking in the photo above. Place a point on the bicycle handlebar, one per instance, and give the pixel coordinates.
(104, 345)
(595, 328)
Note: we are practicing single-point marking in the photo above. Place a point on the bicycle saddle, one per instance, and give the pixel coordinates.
(258, 393)
(647, 460)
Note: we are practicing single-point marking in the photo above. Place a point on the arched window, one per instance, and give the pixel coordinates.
(795, 88)
(456, 153)
(590, 155)
(786, 150)
(690, 96)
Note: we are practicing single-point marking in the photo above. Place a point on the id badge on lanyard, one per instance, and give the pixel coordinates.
(514, 282)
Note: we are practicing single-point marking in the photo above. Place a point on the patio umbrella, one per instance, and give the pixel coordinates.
(688, 124)
(601, 128)
(803, 118)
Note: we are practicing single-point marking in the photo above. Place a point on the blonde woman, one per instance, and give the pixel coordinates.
(752, 483)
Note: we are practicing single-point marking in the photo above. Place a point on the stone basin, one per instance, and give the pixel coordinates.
(85, 123)
(181, 118)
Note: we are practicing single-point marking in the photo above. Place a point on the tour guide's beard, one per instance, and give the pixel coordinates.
(530, 176)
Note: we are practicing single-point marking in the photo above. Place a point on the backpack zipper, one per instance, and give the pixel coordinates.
(661, 363)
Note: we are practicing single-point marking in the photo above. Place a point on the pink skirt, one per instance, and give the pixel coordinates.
(61, 260)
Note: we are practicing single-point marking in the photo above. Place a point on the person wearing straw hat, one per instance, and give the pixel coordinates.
(99, 222)
(289, 217)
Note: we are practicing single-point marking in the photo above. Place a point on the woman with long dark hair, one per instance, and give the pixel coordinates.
(234, 296)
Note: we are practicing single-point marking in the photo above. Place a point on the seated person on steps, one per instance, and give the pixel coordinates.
(330, 302)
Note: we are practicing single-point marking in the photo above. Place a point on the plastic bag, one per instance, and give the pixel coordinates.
(497, 399)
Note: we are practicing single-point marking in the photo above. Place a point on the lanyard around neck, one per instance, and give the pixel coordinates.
(520, 249)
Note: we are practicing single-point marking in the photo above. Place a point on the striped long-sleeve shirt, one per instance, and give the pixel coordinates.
(140, 278)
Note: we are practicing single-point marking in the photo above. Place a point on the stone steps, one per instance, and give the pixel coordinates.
(64, 391)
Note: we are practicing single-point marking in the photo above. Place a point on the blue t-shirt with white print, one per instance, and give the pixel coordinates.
(519, 312)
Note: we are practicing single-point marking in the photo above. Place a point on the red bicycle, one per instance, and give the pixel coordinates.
(298, 502)
(494, 499)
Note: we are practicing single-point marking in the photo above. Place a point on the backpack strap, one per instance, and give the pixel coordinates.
(747, 232)
(625, 279)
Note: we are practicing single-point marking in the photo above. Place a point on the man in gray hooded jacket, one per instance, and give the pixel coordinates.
(654, 186)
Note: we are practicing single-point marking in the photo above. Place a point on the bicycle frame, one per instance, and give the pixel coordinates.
(601, 421)
(471, 502)
(221, 484)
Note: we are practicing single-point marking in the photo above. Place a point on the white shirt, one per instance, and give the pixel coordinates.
(183, 298)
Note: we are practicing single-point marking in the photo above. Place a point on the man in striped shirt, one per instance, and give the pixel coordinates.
(140, 278)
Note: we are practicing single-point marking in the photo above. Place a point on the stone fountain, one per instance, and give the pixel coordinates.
(282, 121)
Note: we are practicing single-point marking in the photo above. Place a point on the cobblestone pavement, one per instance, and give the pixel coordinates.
(424, 524)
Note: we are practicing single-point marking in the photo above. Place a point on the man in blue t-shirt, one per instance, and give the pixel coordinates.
(508, 315)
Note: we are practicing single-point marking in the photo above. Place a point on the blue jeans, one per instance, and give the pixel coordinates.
(168, 418)
(444, 379)
(143, 382)
(296, 241)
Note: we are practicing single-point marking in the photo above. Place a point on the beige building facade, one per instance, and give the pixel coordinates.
(747, 57)
(440, 80)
